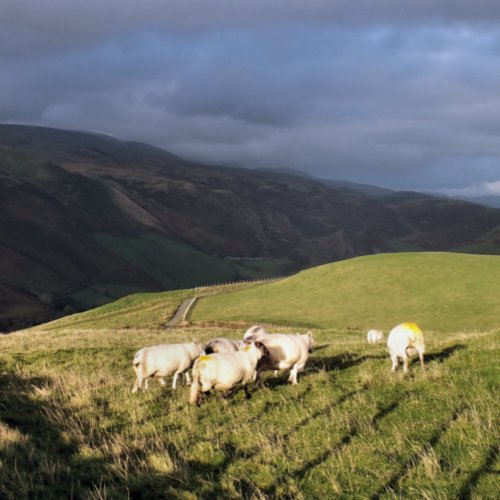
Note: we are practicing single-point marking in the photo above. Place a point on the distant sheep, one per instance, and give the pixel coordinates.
(375, 336)
(221, 344)
(286, 352)
(160, 361)
(406, 340)
(224, 371)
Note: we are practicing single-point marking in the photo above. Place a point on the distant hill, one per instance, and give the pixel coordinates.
(442, 292)
(488, 201)
(87, 218)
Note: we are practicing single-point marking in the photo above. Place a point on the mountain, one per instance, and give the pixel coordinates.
(86, 218)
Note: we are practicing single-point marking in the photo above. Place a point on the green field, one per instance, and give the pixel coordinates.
(177, 265)
(69, 427)
(442, 292)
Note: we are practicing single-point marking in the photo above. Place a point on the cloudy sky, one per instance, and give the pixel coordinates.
(403, 94)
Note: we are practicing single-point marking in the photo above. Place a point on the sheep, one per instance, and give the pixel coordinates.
(403, 341)
(375, 336)
(286, 352)
(223, 371)
(254, 332)
(163, 360)
(221, 344)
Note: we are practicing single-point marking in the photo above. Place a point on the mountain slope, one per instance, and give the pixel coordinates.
(86, 218)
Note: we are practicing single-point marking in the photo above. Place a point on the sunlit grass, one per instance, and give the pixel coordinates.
(70, 427)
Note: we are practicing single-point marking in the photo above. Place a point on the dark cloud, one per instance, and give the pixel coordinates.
(402, 94)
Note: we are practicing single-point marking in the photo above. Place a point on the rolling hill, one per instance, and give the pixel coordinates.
(86, 218)
(443, 292)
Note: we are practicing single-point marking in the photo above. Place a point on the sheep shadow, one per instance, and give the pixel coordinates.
(441, 356)
(338, 362)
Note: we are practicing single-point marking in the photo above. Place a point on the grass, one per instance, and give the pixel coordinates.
(440, 291)
(140, 310)
(69, 426)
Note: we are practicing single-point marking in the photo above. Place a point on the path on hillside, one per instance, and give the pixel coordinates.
(183, 310)
(181, 313)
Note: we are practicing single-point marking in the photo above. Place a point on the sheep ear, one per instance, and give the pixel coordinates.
(309, 334)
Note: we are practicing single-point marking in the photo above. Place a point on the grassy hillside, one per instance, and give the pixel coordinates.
(69, 427)
(441, 291)
(176, 265)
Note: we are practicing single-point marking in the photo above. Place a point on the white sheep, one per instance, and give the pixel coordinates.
(253, 333)
(406, 340)
(224, 371)
(221, 344)
(286, 352)
(375, 336)
(160, 361)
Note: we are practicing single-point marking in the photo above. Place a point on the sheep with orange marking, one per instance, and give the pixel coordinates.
(406, 340)
(224, 371)
(160, 361)
(375, 336)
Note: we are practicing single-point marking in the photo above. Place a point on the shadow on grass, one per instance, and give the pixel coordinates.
(47, 463)
(444, 354)
(194, 477)
(485, 468)
(392, 484)
(328, 363)
(337, 448)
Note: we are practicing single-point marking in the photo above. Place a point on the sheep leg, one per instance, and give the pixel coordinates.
(187, 377)
(137, 385)
(395, 363)
(421, 357)
(293, 375)
(146, 383)
(247, 392)
(229, 393)
(258, 379)
(406, 362)
(174, 384)
(162, 381)
(276, 373)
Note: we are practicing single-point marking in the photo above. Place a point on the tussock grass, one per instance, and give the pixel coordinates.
(69, 426)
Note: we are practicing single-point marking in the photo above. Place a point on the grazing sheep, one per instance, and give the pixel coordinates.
(406, 340)
(286, 352)
(163, 360)
(223, 371)
(375, 336)
(222, 344)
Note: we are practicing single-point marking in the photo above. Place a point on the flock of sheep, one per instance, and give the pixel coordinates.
(225, 364)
